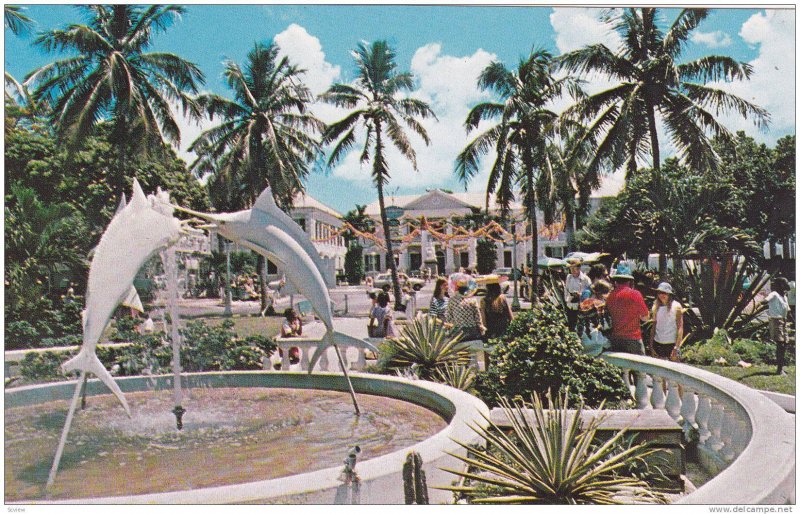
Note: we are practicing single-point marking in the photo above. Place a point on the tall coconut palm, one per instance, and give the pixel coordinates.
(111, 77)
(521, 136)
(650, 81)
(15, 20)
(266, 135)
(377, 106)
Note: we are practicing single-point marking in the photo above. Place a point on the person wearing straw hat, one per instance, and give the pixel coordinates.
(576, 283)
(627, 308)
(666, 335)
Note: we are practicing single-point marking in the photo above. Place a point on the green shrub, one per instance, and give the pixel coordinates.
(125, 329)
(711, 351)
(427, 345)
(754, 352)
(71, 340)
(539, 353)
(44, 366)
(20, 334)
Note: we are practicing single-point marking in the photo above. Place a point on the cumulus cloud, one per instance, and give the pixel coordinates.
(716, 39)
(772, 84)
(305, 50)
(578, 27)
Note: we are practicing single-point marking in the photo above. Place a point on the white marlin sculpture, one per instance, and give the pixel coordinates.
(139, 230)
(270, 232)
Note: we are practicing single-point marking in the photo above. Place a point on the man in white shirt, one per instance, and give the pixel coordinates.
(575, 284)
(778, 308)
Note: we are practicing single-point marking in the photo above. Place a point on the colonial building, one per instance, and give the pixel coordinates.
(441, 208)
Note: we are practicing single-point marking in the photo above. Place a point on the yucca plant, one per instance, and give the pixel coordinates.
(459, 376)
(427, 345)
(722, 301)
(548, 458)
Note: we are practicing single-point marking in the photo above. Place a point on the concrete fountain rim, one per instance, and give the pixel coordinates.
(458, 408)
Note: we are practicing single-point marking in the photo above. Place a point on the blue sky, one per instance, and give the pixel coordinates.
(445, 46)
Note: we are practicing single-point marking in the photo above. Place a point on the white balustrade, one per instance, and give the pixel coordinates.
(749, 442)
(353, 354)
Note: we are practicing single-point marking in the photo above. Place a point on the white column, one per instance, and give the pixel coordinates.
(448, 254)
(472, 245)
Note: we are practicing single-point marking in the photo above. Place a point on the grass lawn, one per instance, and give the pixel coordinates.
(759, 377)
(269, 326)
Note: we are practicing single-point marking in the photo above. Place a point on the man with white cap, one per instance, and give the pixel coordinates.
(576, 283)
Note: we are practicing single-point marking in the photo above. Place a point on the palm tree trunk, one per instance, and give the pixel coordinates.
(378, 175)
(534, 294)
(662, 264)
(389, 252)
(651, 120)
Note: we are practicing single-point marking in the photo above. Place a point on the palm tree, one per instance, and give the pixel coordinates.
(650, 80)
(571, 184)
(266, 135)
(376, 106)
(520, 138)
(17, 22)
(112, 78)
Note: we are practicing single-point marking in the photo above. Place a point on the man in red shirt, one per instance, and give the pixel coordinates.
(627, 308)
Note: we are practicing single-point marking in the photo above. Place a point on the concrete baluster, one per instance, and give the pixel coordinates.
(324, 363)
(285, 358)
(304, 360)
(715, 426)
(673, 403)
(729, 427)
(657, 397)
(688, 410)
(702, 417)
(641, 392)
(741, 436)
(361, 361)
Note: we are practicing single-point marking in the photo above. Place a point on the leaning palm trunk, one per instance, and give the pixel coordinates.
(534, 223)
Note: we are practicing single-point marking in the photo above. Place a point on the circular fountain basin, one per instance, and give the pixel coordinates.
(255, 444)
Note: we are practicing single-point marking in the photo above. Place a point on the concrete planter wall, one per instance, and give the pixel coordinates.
(381, 478)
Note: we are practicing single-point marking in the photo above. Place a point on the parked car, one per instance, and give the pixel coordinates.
(386, 279)
(508, 272)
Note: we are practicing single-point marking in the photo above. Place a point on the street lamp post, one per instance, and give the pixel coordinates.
(228, 292)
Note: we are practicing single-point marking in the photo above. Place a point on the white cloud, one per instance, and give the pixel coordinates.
(772, 84)
(305, 50)
(716, 39)
(578, 27)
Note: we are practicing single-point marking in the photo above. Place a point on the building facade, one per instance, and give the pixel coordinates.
(441, 208)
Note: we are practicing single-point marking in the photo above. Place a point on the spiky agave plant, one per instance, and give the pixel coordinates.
(548, 458)
(428, 345)
(460, 376)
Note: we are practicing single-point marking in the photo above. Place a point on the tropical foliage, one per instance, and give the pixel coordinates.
(675, 213)
(377, 106)
(722, 301)
(15, 20)
(550, 457)
(266, 134)
(650, 78)
(520, 138)
(110, 76)
(426, 346)
(539, 353)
